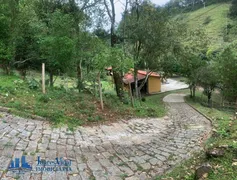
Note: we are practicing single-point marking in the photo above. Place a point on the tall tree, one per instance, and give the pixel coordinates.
(208, 79)
(57, 44)
(117, 74)
(8, 25)
(227, 65)
(149, 39)
(192, 56)
(26, 41)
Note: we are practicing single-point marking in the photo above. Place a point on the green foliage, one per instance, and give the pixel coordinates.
(149, 39)
(44, 98)
(57, 45)
(207, 20)
(216, 28)
(193, 56)
(33, 84)
(226, 66)
(226, 135)
(208, 79)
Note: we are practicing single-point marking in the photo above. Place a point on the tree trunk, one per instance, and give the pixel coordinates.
(116, 74)
(23, 73)
(191, 92)
(130, 94)
(194, 91)
(209, 99)
(100, 92)
(118, 84)
(236, 109)
(136, 82)
(51, 79)
(143, 83)
(79, 76)
(6, 68)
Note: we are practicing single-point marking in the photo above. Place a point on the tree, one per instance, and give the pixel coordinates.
(88, 47)
(192, 56)
(148, 39)
(56, 44)
(8, 22)
(110, 56)
(26, 41)
(208, 79)
(117, 75)
(226, 66)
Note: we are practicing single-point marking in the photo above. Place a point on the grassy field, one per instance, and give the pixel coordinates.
(214, 19)
(67, 106)
(225, 133)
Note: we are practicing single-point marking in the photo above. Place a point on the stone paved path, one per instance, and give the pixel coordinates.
(134, 149)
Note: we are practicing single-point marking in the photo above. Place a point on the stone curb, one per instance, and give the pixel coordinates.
(211, 121)
(35, 117)
(170, 91)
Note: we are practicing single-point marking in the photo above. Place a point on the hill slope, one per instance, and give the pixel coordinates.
(214, 19)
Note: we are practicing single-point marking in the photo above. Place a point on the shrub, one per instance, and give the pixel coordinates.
(98, 118)
(44, 98)
(207, 20)
(15, 104)
(33, 84)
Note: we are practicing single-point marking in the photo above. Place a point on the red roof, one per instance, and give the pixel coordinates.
(129, 77)
(154, 74)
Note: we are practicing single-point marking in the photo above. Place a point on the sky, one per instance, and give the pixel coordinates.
(119, 7)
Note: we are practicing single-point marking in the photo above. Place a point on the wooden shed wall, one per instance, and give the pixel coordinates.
(154, 85)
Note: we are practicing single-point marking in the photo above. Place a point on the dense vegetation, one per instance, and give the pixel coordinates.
(195, 39)
(58, 33)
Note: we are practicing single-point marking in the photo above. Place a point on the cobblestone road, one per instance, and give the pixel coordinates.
(134, 149)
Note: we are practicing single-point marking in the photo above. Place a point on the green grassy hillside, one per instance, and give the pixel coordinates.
(214, 19)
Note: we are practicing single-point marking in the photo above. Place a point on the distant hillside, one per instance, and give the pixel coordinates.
(214, 19)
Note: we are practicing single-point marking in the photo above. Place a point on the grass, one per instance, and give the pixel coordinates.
(67, 106)
(59, 105)
(214, 19)
(225, 134)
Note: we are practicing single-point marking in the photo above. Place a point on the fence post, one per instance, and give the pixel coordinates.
(100, 92)
(43, 78)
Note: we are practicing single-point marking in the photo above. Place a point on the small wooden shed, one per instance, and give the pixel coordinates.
(152, 86)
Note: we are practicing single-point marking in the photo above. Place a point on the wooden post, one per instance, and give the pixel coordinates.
(43, 78)
(236, 109)
(130, 93)
(100, 92)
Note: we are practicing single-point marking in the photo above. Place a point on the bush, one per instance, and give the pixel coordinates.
(44, 98)
(98, 118)
(207, 20)
(151, 112)
(33, 84)
(15, 104)
(10, 90)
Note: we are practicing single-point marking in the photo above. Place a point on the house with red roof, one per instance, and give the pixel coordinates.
(152, 85)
